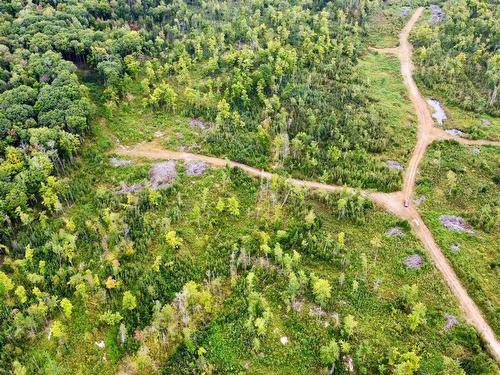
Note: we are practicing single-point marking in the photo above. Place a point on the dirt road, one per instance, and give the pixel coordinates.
(391, 202)
(426, 132)
(153, 151)
(424, 117)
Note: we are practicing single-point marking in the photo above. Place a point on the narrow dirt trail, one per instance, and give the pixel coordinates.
(154, 151)
(390, 202)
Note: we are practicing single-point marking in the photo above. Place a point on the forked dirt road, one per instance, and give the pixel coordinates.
(426, 131)
(426, 134)
(391, 202)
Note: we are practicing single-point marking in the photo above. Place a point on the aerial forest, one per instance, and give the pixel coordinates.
(140, 264)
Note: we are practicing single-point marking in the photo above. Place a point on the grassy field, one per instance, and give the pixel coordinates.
(476, 126)
(384, 26)
(390, 94)
(129, 122)
(457, 181)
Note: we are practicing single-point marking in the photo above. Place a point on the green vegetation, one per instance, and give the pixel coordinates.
(363, 310)
(474, 125)
(104, 272)
(386, 88)
(384, 26)
(456, 181)
(458, 57)
(259, 269)
(44, 110)
(477, 126)
(130, 123)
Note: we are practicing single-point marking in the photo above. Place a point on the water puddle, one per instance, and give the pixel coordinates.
(439, 115)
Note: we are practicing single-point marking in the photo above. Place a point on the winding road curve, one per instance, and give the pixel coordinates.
(391, 202)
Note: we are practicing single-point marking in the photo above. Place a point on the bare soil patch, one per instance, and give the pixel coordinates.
(394, 165)
(191, 147)
(195, 168)
(455, 132)
(197, 123)
(437, 14)
(297, 305)
(405, 10)
(162, 174)
(456, 224)
(414, 261)
(119, 162)
(451, 321)
(125, 189)
(394, 231)
(485, 122)
(420, 200)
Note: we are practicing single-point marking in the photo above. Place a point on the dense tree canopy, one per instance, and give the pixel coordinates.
(459, 56)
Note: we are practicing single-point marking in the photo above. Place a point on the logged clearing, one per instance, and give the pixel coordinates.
(393, 202)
